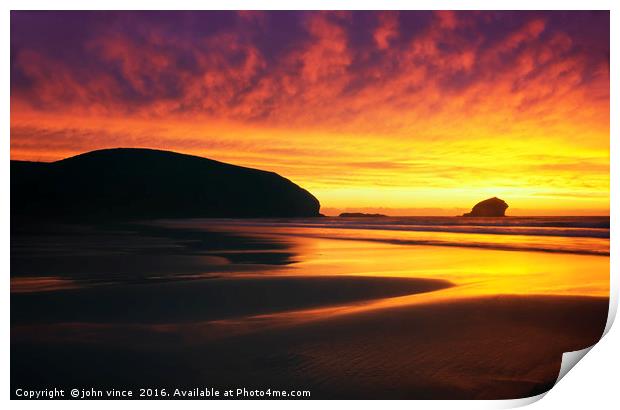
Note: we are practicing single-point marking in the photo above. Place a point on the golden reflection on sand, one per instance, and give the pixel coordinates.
(475, 273)
(41, 284)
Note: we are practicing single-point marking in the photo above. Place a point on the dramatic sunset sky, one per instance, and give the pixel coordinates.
(395, 112)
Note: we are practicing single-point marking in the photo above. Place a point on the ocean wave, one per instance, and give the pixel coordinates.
(601, 250)
(576, 235)
(586, 227)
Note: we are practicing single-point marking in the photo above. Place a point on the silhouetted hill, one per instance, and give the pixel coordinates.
(131, 183)
(489, 207)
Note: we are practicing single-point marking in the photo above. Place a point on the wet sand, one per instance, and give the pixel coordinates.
(341, 318)
(487, 347)
(182, 301)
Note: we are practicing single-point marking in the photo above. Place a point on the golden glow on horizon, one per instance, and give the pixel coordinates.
(534, 133)
(544, 176)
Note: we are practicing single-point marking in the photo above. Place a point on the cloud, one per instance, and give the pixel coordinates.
(399, 99)
(153, 64)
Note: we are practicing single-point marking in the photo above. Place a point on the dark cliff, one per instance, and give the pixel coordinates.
(489, 208)
(128, 183)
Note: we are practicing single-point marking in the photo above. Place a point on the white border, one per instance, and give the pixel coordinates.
(594, 384)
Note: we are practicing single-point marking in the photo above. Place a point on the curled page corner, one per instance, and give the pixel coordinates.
(613, 303)
(570, 359)
(515, 403)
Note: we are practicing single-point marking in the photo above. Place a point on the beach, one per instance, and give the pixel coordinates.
(403, 308)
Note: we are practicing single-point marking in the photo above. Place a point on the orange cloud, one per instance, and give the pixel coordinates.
(407, 109)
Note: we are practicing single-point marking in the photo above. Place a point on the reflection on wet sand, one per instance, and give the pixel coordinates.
(269, 306)
(41, 284)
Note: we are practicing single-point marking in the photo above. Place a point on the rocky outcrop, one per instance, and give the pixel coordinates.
(129, 183)
(491, 207)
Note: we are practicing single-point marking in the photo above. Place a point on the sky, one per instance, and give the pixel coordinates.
(404, 113)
